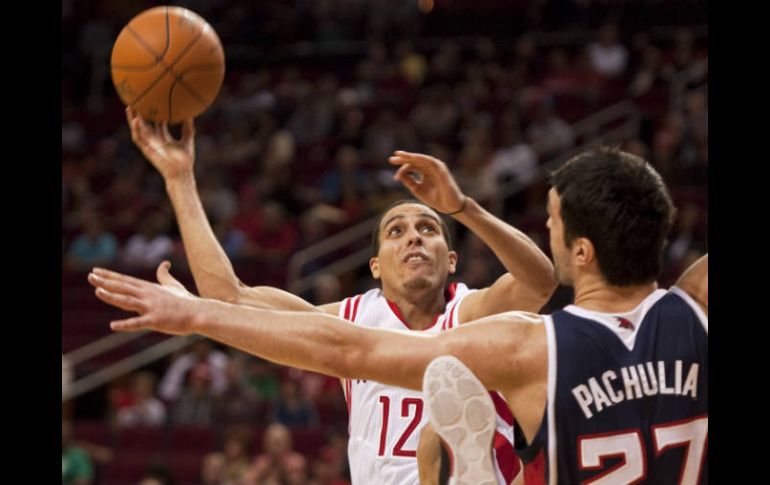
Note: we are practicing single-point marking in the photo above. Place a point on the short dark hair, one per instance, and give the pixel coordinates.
(376, 228)
(620, 203)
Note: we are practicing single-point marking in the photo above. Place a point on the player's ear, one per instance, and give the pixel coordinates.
(452, 262)
(374, 267)
(583, 251)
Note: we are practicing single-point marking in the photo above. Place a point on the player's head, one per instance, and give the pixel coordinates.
(610, 210)
(411, 247)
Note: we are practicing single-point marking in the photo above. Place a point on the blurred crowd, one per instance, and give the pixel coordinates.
(295, 149)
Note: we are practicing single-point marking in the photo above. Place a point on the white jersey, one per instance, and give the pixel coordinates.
(385, 421)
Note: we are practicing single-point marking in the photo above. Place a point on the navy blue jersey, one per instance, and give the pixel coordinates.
(627, 395)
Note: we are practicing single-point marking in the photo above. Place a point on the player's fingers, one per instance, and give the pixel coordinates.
(166, 134)
(130, 324)
(113, 286)
(107, 274)
(124, 302)
(419, 159)
(404, 175)
(403, 172)
(165, 278)
(188, 131)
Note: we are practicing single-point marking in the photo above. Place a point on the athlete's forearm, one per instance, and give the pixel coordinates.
(318, 342)
(519, 254)
(212, 270)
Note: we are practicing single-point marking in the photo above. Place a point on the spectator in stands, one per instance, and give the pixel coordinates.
(292, 408)
(331, 467)
(151, 245)
(648, 74)
(277, 454)
(515, 159)
(608, 56)
(144, 408)
(76, 466)
(196, 404)
(276, 237)
(548, 134)
(295, 471)
(688, 234)
(236, 404)
(201, 351)
(95, 246)
(346, 183)
(213, 470)
(326, 289)
(233, 239)
(261, 379)
(238, 452)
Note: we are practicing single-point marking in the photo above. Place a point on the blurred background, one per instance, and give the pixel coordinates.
(292, 169)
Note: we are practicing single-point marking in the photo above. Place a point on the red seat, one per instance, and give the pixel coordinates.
(144, 439)
(192, 439)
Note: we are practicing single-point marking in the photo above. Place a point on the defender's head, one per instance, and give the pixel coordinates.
(608, 210)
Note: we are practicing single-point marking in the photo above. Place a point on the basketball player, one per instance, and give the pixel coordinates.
(412, 257)
(613, 389)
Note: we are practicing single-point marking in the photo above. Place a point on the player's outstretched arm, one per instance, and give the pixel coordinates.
(211, 268)
(695, 282)
(324, 343)
(530, 280)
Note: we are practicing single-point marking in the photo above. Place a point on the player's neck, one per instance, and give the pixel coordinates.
(418, 308)
(596, 295)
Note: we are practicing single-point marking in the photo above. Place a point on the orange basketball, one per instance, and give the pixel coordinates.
(168, 64)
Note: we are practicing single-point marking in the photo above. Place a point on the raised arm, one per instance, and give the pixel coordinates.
(212, 270)
(695, 282)
(530, 280)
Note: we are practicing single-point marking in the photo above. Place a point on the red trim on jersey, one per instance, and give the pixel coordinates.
(507, 461)
(347, 308)
(451, 290)
(502, 407)
(397, 312)
(450, 322)
(355, 308)
(534, 471)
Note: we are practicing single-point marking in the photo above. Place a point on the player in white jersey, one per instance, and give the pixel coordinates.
(412, 257)
(386, 421)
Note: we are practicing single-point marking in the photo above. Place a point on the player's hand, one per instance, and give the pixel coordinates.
(169, 156)
(429, 180)
(167, 307)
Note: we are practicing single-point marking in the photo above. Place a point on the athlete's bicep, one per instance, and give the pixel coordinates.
(504, 295)
(504, 350)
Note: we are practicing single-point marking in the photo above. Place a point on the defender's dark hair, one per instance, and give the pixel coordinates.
(376, 228)
(620, 203)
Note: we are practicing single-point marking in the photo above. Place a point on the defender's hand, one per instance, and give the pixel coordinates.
(166, 308)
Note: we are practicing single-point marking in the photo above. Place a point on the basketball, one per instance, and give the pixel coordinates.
(168, 64)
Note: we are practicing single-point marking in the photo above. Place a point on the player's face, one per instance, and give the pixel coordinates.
(413, 253)
(559, 251)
